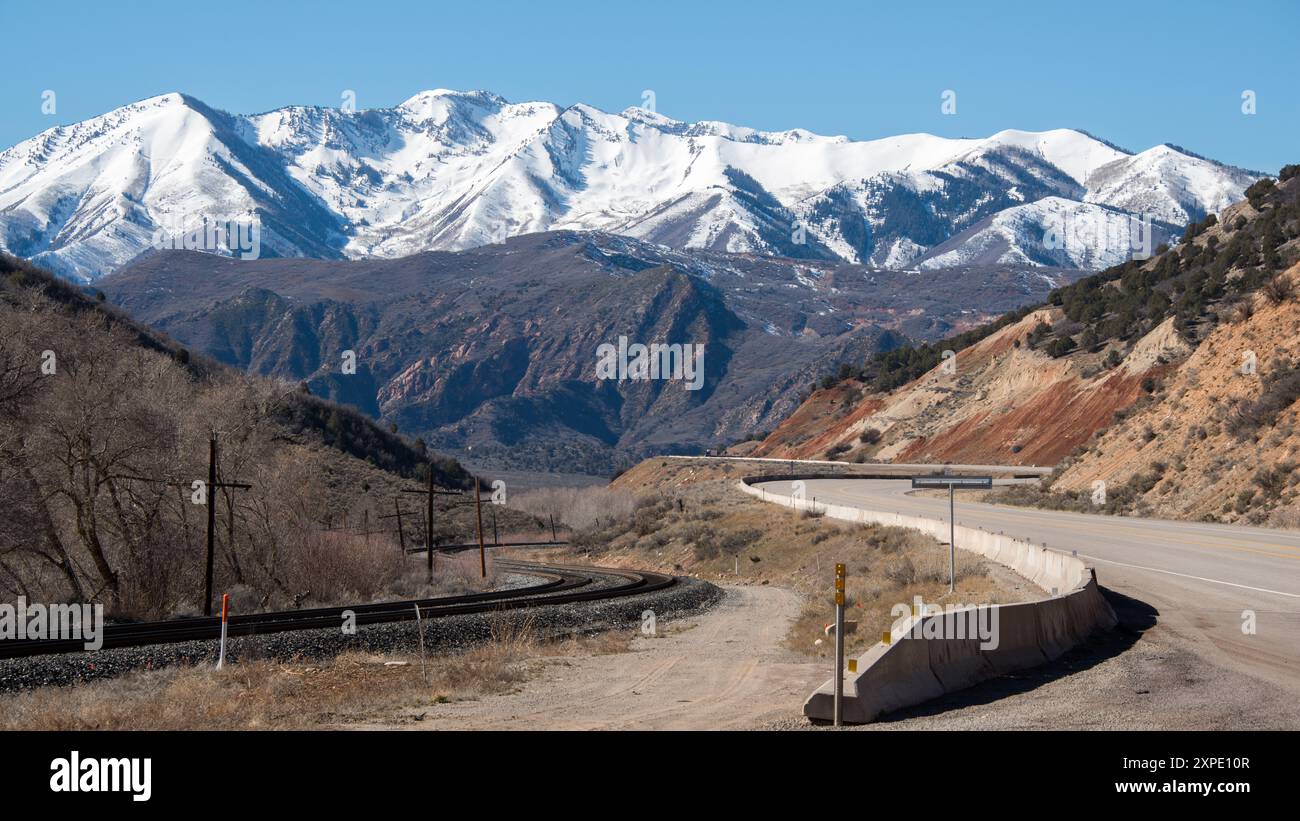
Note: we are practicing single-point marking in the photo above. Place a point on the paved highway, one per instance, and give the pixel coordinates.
(1201, 578)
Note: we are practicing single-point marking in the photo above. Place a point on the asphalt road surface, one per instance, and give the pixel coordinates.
(1203, 580)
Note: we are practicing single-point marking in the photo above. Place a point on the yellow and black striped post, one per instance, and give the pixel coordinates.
(839, 644)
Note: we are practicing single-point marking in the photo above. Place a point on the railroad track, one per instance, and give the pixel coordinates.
(461, 548)
(559, 584)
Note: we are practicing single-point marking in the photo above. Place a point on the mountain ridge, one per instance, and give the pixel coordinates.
(447, 170)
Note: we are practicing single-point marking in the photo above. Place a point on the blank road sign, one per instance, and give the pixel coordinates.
(952, 481)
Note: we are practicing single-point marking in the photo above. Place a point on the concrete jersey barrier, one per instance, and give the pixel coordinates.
(916, 666)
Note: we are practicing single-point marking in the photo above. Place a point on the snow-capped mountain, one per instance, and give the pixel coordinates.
(453, 170)
(1052, 231)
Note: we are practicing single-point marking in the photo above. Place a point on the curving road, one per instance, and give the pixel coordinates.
(1201, 578)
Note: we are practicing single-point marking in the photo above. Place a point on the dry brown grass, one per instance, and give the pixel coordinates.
(575, 507)
(870, 604)
(325, 569)
(256, 695)
(351, 689)
(689, 519)
(607, 643)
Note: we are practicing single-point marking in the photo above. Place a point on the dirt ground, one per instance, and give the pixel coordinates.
(724, 670)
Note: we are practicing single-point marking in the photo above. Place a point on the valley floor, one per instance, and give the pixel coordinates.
(728, 670)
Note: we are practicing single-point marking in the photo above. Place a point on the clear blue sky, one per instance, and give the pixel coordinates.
(1136, 72)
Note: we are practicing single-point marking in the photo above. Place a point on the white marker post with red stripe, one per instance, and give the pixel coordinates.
(225, 609)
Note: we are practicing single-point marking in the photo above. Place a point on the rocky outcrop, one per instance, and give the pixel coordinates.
(997, 402)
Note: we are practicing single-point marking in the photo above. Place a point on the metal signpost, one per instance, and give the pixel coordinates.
(951, 482)
(839, 644)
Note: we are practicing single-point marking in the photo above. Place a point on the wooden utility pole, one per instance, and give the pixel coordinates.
(398, 513)
(401, 534)
(211, 498)
(209, 501)
(428, 533)
(430, 491)
(478, 505)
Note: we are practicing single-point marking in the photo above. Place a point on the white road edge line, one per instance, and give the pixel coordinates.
(1188, 576)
